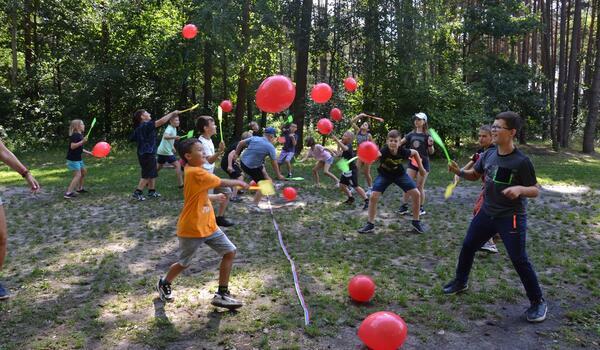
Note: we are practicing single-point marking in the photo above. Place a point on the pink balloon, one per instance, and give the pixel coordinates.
(368, 152)
(336, 114)
(101, 149)
(321, 93)
(281, 139)
(350, 84)
(189, 31)
(226, 106)
(275, 94)
(383, 330)
(325, 126)
(290, 193)
(361, 288)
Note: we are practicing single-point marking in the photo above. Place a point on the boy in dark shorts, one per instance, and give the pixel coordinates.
(288, 151)
(390, 172)
(144, 134)
(350, 178)
(230, 165)
(197, 225)
(509, 180)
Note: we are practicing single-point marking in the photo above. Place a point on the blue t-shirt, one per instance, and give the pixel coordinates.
(145, 136)
(258, 148)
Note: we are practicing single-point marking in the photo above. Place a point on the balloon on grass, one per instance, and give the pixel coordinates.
(361, 288)
(289, 193)
(383, 330)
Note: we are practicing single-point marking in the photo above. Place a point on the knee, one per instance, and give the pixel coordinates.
(229, 255)
(3, 238)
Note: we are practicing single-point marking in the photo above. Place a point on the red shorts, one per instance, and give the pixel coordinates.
(478, 204)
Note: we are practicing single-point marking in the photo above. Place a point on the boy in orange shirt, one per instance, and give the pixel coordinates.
(197, 224)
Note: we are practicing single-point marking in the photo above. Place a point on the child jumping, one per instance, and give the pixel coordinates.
(390, 172)
(324, 159)
(166, 149)
(74, 160)
(350, 178)
(144, 134)
(230, 165)
(289, 148)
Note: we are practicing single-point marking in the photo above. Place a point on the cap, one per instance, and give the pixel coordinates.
(270, 130)
(421, 115)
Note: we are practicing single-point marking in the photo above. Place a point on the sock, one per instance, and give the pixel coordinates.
(138, 191)
(223, 290)
(151, 191)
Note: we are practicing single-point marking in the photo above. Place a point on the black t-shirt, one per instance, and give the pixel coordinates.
(391, 164)
(418, 142)
(75, 154)
(224, 159)
(145, 136)
(349, 154)
(288, 146)
(501, 172)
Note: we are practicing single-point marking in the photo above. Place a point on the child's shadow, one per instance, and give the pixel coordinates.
(159, 310)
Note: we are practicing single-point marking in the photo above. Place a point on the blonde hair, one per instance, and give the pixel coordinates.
(74, 124)
(246, 134)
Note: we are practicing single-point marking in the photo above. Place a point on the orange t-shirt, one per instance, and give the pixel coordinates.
(197, 218)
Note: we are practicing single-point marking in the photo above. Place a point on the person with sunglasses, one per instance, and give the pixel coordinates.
(509, 180)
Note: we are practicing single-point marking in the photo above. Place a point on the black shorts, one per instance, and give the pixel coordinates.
(255, 174)
(236, 173)
(425, 165)
(148, 165)
(166, 159)
(351, 180)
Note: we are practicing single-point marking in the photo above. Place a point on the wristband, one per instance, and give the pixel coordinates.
(23, 174)
(461, 173)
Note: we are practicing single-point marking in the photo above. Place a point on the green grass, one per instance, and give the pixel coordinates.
(82, 272)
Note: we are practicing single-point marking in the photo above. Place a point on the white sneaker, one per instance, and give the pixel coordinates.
(226, 301)
(489, 247)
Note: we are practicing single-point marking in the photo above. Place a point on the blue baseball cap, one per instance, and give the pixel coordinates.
(270, 130)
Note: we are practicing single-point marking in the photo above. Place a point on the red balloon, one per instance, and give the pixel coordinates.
(275, 94)
(226, 106)
(361, 288)
(325, 126)
(321, 93)
(281, 139)
(290, 193)
(189, 31)
(101, 149)
(368, 152)
(383, 330)
(350, 84)
(336, 114)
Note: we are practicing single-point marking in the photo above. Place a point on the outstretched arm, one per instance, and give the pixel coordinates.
(469, 174)
(160, 122)
(8, 158)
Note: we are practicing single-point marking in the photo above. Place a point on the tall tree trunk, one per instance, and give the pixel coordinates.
(13, 44)
(28, 50)
(589, 56)
(560, 102)
(371, 32)
(107, 93)
(572, 80)
(208, 75)
(240, 106)
(589, 131)
(224, 71)
(298, 108)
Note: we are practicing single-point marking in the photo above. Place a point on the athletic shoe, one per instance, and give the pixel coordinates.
(3, 293)
(83, 190)
(138, 196)
(153, 194)
(369, 192)
(454, 287)
(422, 211)
(226, 301)
(369, 227)
(290, 175)
(349, 201)
(489, 247)
(403, 209)
(164, 290)
(416, 225)
(537, 311)
(222, 221)
(366, 206)
(70, 195)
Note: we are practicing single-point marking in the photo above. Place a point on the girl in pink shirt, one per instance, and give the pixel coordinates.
(323, 157)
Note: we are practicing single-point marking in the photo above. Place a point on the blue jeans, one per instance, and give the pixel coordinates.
(512, 230)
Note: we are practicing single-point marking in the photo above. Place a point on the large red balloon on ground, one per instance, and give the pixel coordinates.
(336, 114)
(383, 330)
(275, 94)
(226, 106)
(368, 152)
(361, 288)
(325, 126)
(290, 193)
(350, 84)
(101, 149)
(321, 93)
(189, 31)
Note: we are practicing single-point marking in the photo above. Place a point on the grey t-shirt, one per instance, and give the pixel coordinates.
(501, 172)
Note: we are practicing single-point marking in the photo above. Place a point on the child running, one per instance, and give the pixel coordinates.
(197, 225)
(419, 140)
(324, 159)
(289, 148)
(362, 135)
(390, 172)
(230, 165)
(349, 178)
(509, 180)
(74, 160)
(144, 134)
(166, 149)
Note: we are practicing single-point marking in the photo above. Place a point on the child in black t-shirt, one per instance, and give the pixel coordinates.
(349, 178)
(74, 161)
(289, 148)
(391, 171)
(230, 165)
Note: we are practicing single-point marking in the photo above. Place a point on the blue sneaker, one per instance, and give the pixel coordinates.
(3, 293)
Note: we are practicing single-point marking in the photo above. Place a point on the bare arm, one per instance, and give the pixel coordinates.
(233, 183)
(415, 155)
(353, 121)
(339, 143)
(515, 192)
(469, 174)
(241, 145)
(276, 167)
(230, 158)
(8, 158)
(78, 144)
(217, 154)
(162, 121)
